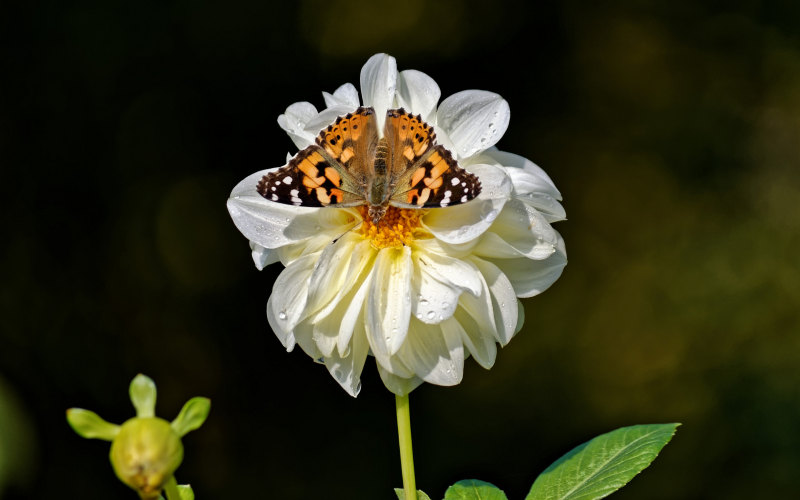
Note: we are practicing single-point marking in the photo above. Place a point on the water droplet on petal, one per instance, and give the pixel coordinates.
(282, 315)
(431, 314)
(423, 301)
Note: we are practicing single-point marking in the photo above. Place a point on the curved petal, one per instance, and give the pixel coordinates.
(418, 93)
(503, 300)
(537, 179)
(326, 117)
(474, 119)
(524, 229)
(434, 353)
(482, 347)
(435, 300)
(389, 300)
(294, 121)
(532, 277)
(345, 95)
(398, 385)
(346, 370)
(262, 257)
(461, 223)
(286, 305)
(379, 84)
(265, 222)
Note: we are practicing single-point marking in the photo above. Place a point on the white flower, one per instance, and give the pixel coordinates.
(422, 297)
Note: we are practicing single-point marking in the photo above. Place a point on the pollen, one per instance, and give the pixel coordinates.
(398, 227)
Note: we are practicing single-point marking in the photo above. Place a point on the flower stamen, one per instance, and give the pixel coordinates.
(397, 227)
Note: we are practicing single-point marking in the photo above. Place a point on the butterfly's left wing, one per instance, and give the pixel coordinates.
(421, 173)
(331, 172)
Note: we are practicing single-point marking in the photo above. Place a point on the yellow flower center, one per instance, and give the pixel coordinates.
(398, 227)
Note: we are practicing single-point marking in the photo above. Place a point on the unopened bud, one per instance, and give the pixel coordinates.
(145, 454)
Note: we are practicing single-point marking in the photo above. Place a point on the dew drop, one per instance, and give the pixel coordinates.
(282, 315)
(422, 302)
(431, 314)
(337, 373)
(445, 305)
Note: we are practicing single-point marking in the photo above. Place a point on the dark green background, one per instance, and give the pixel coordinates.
(673, 132)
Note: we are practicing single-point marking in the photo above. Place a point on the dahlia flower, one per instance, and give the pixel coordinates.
(419, 289)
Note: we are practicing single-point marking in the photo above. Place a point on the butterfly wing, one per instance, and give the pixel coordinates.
(421, 173)
(331, 172)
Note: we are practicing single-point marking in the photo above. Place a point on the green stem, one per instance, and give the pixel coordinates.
(171, 489)
(406, 453)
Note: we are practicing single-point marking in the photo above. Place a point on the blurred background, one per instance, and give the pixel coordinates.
(672, 130)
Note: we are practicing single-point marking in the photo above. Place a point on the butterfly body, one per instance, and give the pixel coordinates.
(350, 165)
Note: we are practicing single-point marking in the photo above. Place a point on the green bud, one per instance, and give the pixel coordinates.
(145, 454)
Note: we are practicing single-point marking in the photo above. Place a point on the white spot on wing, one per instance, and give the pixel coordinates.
(455, 181)
(464, 199)
(287, 179)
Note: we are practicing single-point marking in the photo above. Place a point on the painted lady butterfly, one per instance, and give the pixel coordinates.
(350, 166)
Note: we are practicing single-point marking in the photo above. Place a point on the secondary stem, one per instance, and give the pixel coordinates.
(171, 489)
(406, 453)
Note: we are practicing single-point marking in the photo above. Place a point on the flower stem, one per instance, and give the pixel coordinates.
(406, 453)
(171, 489)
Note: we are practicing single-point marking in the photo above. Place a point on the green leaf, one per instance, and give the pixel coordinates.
(192, 415)
(401, 494)
(88, 424)
(472, 489)
(603, 465)
(185, 491)
(143, 396)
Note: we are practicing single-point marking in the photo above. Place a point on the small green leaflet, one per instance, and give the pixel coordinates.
(472, 489)
(603, 465)
(401, 494)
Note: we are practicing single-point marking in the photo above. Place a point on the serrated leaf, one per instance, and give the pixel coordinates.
(88, 424)
(143, 396)
(192, 415)
(473, 489)
(401, 494)
(603, 465)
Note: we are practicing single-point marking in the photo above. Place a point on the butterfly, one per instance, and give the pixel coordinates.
(350, 165)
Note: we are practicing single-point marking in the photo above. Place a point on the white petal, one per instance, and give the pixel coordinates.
(346, 370)
(330, 270)
(451, 270)
(389, 300)
(435, 300)
(346, 95)
(325, 118)
(434, 353)
(286, 305)
(465, 222)
(479, 308)
(482, 346)
(398, 385)
(532, 277)
(264, 222)
(504, 300)
(538, 180)
(524, 229)
(262, 257)
(418, 93)
(379, 84)
(474, 119)
(294, 121)
(303, 333)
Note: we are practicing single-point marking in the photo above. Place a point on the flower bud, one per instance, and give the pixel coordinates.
(145, 454)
